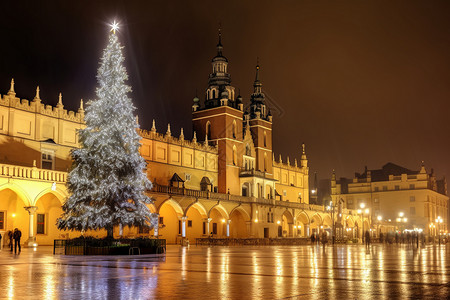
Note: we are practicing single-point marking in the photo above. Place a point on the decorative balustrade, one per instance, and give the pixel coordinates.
(252, 172)
(21, 172)
(228, 197)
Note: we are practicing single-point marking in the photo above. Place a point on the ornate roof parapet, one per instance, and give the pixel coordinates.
(36, 106)
(288, 166)
(181, 141)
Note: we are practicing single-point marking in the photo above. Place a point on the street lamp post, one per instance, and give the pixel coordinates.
(379, 218)
(439, 222)
(361, 211)
(331, 208)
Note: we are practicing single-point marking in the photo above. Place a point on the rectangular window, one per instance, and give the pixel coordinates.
(284, 193)
(2, 220)
(384, 187)
(268, 217)
(179, 226)
(40, 228)
(397, 187)
(412, 186)
(161, 220)
(412, 210)
(144, 230)
(214, 231)
(376, 189)
(47, 160)
(412, 198)
(187, 177)
(349, 201)
(204, 227)
(189, 223)
(376, 200)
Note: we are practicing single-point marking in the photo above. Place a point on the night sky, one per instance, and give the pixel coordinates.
(362, 83)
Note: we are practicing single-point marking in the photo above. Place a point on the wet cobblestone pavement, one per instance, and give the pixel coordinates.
(283, 272)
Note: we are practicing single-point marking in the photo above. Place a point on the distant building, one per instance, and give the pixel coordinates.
(396, 198)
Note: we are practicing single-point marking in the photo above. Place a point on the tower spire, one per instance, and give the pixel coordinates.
(11, 89)
(303, 159)
(60, 104)
(219, 44)
(37, 97)
(257, 85)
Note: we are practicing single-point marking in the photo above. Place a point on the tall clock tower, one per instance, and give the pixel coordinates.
(218, 121)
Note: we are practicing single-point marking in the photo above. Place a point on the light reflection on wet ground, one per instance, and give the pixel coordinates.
(305, 272)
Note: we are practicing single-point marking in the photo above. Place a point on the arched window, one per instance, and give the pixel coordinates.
(234, 156)
(265, 162)
(213, 94)
(234, 129)
(208, 130)
(265, 139)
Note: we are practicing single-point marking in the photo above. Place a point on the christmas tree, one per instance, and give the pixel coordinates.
(107, 182)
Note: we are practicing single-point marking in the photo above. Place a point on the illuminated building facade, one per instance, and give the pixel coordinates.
(223, 181)
(397, 198)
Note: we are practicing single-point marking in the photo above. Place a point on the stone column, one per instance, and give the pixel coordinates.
(31, 242)
(120, 230)
(207, 226)
(156, 228)
(183, 227)
(307, 230)
(228, 228)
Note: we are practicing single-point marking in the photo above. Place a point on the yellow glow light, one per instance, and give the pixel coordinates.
(13, 215)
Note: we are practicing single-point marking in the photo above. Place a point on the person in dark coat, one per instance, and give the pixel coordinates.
(313, 238)
(367, 238)
(381, 238)
(324, 238)
(17, 235)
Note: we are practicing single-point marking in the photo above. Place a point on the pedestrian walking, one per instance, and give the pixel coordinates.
(367, 238)
(381, 238)
(313, 238)
(17, 236)
(324, 238)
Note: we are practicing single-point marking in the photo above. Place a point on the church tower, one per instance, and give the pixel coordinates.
(219, 122)
(260, 121)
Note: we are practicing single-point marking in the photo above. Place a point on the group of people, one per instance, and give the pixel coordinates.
(403, 238)
(16, 235)
(317, 238)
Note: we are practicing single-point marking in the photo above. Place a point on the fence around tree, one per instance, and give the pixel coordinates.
(91, 246)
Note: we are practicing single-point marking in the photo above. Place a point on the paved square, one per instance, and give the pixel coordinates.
(305, 272)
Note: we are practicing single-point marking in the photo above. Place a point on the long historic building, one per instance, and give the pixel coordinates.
(223, 181)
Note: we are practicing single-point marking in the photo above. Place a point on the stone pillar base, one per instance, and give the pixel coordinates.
(185, 242)
(30, 243)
